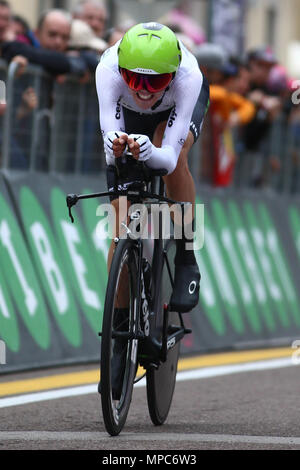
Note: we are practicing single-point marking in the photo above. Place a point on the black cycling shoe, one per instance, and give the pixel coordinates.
(185, 295)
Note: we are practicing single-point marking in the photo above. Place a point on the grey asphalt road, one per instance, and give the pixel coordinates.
(248, 410)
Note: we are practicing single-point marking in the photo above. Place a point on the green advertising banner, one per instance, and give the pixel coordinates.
(53, 273)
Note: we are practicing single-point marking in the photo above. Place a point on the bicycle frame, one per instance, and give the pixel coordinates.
(161, 340)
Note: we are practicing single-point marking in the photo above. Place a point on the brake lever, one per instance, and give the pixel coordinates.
(71, 200)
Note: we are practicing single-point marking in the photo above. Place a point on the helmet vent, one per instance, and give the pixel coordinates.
(153, 26)
(147, 34)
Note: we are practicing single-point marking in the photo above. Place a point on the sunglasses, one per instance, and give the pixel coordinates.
(152, 83)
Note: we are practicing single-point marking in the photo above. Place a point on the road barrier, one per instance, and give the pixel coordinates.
(53, 273)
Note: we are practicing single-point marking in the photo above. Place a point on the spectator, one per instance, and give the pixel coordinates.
(211, 58)
(54, 29)
(229, 111)
(22, 129)
(236, 110)
(278, 83)
(84, 42)
(5, 18)
(19, 30)
(5, 23)
(187, 24)
(115, 34)
(19, 25)
(28, 104)
(94, 13)
(286, 129)
(260, 62)
(53, 33)
(239, 82)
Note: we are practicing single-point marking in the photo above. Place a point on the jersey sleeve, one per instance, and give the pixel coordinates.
(186, 95)
(109, 89)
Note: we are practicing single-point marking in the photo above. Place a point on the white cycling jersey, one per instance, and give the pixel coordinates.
(181, 96)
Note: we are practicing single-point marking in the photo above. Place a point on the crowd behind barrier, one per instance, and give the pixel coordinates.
(250, 136)
(225, 161)
(59, 132)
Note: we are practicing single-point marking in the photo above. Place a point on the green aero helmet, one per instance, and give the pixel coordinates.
(150, 48)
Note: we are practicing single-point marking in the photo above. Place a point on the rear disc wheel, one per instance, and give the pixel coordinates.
(161, 381)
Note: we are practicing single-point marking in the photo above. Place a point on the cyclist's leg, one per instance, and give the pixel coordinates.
(180, 186)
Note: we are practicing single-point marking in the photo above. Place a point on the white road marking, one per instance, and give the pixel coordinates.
(59, 436)
(202, 373)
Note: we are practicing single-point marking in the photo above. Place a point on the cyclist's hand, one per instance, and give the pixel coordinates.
(140, 146)
(114, 145)
(119, 144)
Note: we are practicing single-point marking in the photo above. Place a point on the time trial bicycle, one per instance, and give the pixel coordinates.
(142, 272)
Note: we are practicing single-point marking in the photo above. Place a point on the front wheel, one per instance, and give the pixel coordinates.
(118, 345)
(161, 381)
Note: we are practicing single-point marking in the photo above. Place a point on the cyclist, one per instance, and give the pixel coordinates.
(152, 100)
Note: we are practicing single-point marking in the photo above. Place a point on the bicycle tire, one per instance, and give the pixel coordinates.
(161, 382)
(114, 409)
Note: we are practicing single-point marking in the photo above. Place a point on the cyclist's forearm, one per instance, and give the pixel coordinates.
(163, 157)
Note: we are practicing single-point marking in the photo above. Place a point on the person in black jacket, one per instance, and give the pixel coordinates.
(53, 34)
(53, 62)
(260, 62)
